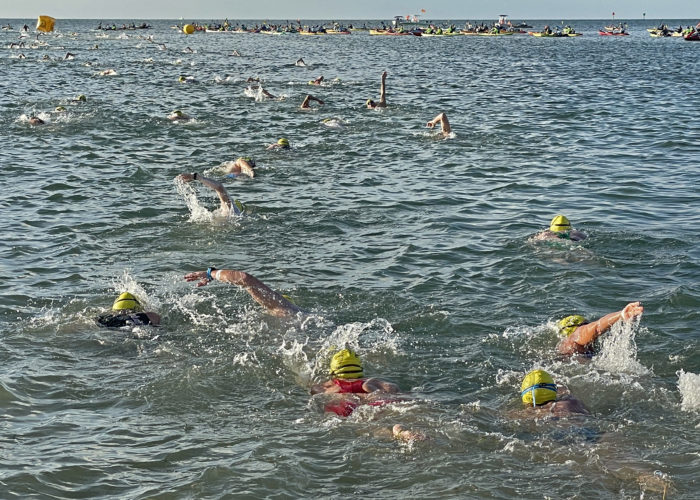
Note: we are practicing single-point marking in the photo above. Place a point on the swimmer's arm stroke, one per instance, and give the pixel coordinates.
(226, 203)
(586, 334)
(271, 300)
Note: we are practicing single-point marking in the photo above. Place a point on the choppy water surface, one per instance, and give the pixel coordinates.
(411, 249)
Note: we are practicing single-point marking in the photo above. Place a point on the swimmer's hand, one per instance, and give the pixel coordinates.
(631, 310)
(198, 275)
(430, 124)
(187, 177)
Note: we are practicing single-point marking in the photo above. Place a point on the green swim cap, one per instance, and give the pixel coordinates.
(538, 387)
(345, 364)
(559, 223)
(126, 301)
(568, 325)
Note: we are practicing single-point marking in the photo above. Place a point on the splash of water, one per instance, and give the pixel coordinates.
(689, 387)
(618, 352)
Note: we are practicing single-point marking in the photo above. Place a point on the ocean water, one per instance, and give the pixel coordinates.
(412, 249)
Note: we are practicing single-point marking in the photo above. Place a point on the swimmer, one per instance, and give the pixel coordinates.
(127, 311)
(227, 204)
(539, 392)
(444, 124)
(178, 115)
(307, 101)
(317, 81)
(69, 56)
(560, 229)
(275, 303)
(188, 50)
(300, 62)
(60, 109)
(347, 377)
(244, 165)
(382, 95)
(80, 98)
(281, 143)
(35, 120)
(235, 53)
(580, 335)
(107, 72)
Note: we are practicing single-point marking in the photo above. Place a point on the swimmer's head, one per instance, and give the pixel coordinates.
(248, 160)
(345, 364)
(370, 103)
(177, 113)
(182, 79)
(537, 388)
(59, 109)
(568, 325)
(283, 142)
(126, 301)
(560, 224)
(81, 98)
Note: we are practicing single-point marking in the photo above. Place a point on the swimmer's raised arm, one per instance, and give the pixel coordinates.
(273, 301)
(584, 335)
(308, 99)
(443, 121)
(226, 203)
(382, 91)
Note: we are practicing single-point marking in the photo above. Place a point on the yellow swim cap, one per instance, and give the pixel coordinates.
(59, 109)
(369, 101)
(81, 97)
(127, 301)
(560, 224)
(181, 79)
(283, 142)
(538, 387)
(177, 112)
(568, 325)
(345, 364)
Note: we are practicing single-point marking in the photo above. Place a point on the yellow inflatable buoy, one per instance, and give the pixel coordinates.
(188, 29)
(45, 23)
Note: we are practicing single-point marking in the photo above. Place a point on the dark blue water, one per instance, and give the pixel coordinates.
(413, 249)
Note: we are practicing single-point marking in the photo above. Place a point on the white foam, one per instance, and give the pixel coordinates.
(618, 351)
(689, 387)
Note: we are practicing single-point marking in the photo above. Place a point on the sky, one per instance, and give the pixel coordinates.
(349, 9)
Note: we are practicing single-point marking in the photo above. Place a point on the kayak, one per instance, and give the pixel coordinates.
(612, 33)
(693, 37)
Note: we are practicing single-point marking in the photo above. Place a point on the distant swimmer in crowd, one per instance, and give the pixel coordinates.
(80, 98)
(282, 143)
(275, 303)
(543, 399)
(108, 72)
(228, 205)
(560, 229)
(580, 335)
(178, 115)
(35, 120)
(186, 79)
(382, 95)
(127, 311)
(60, 109)
(444, 124)
(307, 101)
(188, 50)
(300, 62)
(244, 165)
(69, 56)
(235, 53)
(317, 81)
(347, 377)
